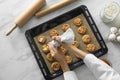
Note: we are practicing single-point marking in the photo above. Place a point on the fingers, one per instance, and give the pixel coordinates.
(57, 38)
(52, 53)
(53, 50)
(50, 46)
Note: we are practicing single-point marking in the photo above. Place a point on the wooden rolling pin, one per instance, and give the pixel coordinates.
(53, 8)
(25, 16)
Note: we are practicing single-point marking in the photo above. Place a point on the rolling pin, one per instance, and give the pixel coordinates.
(53, 8)
(25, 16)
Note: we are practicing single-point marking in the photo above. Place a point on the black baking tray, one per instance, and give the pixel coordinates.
(30, 34)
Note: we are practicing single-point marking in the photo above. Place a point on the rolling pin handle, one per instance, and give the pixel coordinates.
(11, 30)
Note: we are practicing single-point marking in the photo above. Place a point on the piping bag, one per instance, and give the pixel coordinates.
(27, 14)
(67, 37)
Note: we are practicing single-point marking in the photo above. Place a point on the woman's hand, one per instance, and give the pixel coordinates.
(59, 56)
(56, 53)
(70, 47)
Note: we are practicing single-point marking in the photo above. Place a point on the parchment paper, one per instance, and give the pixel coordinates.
(78, 37)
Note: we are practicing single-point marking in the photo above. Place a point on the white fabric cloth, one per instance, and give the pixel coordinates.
(100, 70)
(70, 75)
(67, 37)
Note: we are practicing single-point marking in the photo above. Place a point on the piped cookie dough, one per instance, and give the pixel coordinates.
(45, 49)
(69, 59)
(91, 47)
(82, 30)
(54, 32)
(77, 21)
(55, 66)
(86, 39)
(42, 39)
(65, 27)
(76, 44)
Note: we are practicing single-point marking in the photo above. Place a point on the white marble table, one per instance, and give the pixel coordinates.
(16, 59)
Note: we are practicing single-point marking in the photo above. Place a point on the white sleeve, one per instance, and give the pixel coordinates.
(70, 75)
(100, 70)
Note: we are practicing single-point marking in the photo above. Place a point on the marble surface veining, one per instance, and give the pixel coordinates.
(16, 58)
